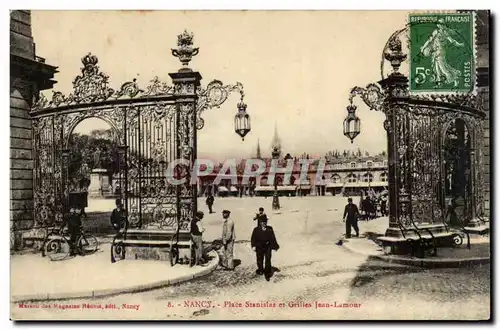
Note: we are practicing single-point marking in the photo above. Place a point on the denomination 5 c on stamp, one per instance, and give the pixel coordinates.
(442, 52)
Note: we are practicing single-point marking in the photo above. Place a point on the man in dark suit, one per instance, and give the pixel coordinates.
(210, 203)
(263, 242)
(352, 213)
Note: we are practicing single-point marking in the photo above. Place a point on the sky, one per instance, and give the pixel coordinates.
(297, 68)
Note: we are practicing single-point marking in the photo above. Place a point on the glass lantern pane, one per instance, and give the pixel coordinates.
(247, 122)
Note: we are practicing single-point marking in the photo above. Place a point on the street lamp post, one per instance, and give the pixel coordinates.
(276, 202)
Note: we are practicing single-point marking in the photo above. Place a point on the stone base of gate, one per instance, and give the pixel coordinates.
(32, 239)
(475, 223)
(152, 253)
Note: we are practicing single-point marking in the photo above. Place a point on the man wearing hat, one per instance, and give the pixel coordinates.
(263, 242)
(196, 236)
(228, 238)
(351, 215)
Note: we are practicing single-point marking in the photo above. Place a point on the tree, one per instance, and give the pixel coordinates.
(82, 150)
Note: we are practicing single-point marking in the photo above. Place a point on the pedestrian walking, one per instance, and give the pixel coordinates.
(352, 213)
(261, 216)
(197, 237)
(228, 238)
(263, 241)
(210, 202)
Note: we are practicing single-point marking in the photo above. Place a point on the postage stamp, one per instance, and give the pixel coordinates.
(442, 48)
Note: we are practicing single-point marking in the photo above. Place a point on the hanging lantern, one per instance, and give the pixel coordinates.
(352, 124)
(242, 119)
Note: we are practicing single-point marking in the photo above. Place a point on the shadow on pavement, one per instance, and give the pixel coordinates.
(373, 269)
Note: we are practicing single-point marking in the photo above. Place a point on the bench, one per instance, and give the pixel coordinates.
(420, 243)
(169, 239)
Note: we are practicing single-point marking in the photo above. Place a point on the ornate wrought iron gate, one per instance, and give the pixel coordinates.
(419, 129)
(155, 131)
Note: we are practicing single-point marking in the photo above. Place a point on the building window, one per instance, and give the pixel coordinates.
(383, 177)
(385, 162)
(352, 178)
(369, 164)
(368, 177)
(353, 165)
(335, 178)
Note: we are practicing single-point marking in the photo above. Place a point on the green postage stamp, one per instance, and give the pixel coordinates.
(442, 52)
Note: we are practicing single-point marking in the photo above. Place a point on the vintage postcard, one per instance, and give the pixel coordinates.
(250, 165)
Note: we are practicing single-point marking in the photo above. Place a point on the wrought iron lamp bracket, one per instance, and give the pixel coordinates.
(213, 96)
(372, 95)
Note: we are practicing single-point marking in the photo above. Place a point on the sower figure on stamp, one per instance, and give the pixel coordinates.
(352, 213)
(197, 237)
(263, 242)
(228, 238)
(210, 202)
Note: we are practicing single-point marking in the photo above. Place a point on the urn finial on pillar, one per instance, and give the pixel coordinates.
(185, 50)
(395, 54)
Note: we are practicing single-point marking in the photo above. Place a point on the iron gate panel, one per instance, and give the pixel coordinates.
(152, 127)
(150, 136)
(416, 128)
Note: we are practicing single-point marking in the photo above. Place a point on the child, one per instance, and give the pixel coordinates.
(118, 216)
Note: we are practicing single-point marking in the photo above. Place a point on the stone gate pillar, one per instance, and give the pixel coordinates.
(186, 84)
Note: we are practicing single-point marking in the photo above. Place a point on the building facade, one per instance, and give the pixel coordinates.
(346, 175)
(28, 75)
(483, 83)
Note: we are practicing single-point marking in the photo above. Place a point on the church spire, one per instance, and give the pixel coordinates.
(258, 149)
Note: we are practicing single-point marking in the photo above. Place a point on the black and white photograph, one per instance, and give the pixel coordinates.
(250, 165)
